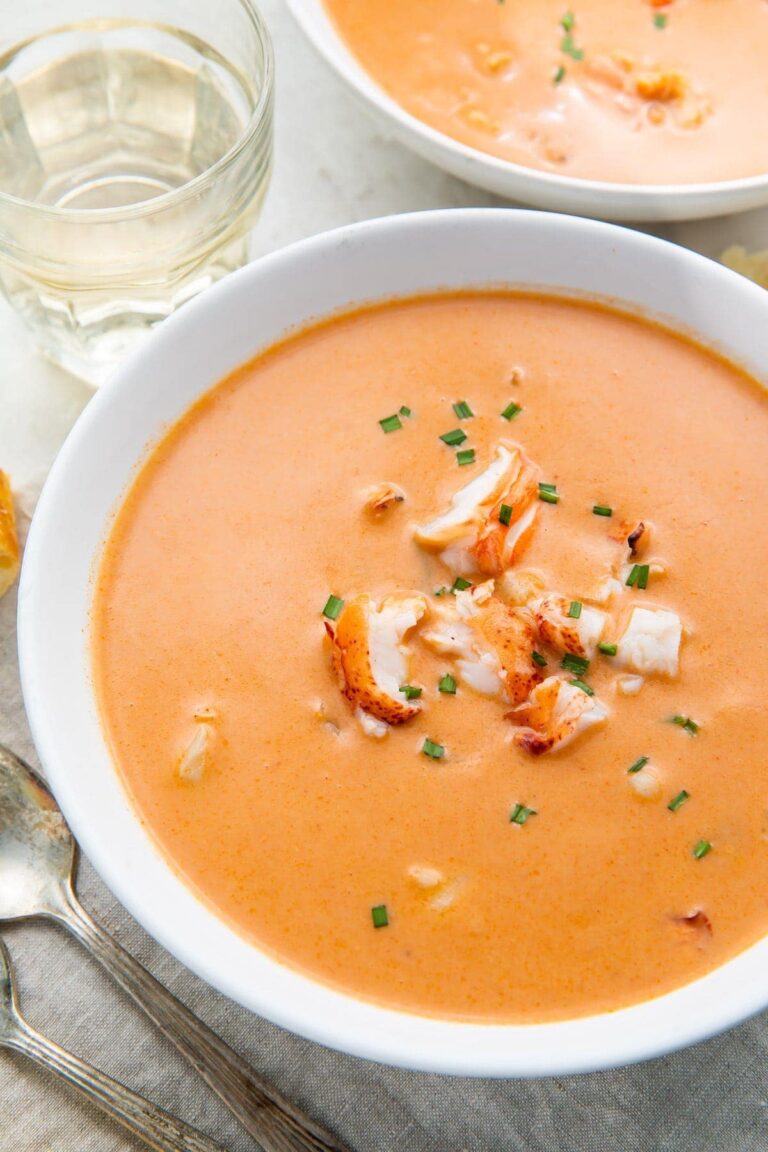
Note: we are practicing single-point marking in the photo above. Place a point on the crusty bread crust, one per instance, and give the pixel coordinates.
(9, 541)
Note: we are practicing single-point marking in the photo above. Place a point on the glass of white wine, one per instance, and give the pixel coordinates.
(135, 153)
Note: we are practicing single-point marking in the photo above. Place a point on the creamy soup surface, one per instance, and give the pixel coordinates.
(507, 845)
(636, 91)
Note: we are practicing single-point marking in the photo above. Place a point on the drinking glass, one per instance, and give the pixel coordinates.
(135, 153)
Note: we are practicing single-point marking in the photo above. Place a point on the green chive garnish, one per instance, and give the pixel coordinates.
(539, 659)
(505, 514)
(434, 751)
(460, 584)
(685, 722)
(678, 800)
(559, 75)
(447, 685)
(575, 609)
(576, 664)
(568, 22)
(568, 46)
(584, 687)
(511, 411)
(391, 423)
(638, 577)
(520, 814)
(660, 19)
(548, 493)
(380, 916)
(701, 848)
(608, 649)
(638, 764)
(441, 591)
(456, 436)
(410, 691)
(333, 607)
(466, 456)
(462, 410)
(405, 411)
(602, 510)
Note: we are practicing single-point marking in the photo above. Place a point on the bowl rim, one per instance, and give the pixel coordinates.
(164, 904)
(329, 43)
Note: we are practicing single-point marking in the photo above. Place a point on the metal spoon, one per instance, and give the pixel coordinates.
(157, 1128)
(37, 868)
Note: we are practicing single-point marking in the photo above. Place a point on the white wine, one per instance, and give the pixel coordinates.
(104, 116)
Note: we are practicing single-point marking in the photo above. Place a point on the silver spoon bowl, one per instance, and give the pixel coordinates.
(38, 859)
(37, 851)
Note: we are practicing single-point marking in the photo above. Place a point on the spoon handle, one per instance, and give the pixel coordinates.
(158, 1129)
(272, 1120)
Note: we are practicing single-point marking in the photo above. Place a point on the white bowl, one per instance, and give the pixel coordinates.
(192, 351)
(598, 198)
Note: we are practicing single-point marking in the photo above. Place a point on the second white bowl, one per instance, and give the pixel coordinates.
(600, 199)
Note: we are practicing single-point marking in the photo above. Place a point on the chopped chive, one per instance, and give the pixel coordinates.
(505, 514)
(548, 493)
(441, 591)
(511, 411)
(638, 577)
(559, 75)
(685, 722)
(574, 610)
(391, 423)
(466, 456)
(539, 659)
(462, 410)
(568, 46)
(380, 916)
(638, 764)
(447, 685)
(567, 22)
(701, 848)
(454, 437)
(405, 411)
(520, 814)
(576, 664)
(602, 510)
(460, 584)
(608, 649)
(333, 607)
(584, 687)
(678, 800)
(434, 751)
(660, 19)
(410, 691)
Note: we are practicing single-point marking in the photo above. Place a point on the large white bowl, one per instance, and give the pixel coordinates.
(190, 353)
(598, 198)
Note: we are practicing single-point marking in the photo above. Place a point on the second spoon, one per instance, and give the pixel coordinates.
(37, 863)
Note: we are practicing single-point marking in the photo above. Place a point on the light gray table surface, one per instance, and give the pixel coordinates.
(333, 167)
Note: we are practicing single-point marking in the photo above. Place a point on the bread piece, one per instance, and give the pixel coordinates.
(9, 542)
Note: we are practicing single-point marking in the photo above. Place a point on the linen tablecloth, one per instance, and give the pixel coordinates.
(332, 167)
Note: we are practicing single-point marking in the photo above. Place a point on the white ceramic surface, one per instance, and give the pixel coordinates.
(190, 353)
(601, 199)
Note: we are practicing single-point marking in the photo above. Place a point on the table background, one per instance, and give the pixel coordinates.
(333, 167)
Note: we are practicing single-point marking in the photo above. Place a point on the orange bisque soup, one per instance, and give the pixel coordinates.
(630, 91)
(431, 648)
